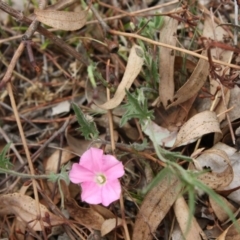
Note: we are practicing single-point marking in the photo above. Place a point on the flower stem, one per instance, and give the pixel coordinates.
(23, 175)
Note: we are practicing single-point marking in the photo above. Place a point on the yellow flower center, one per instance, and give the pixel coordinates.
(100, 179)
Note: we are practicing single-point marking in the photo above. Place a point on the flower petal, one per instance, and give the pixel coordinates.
(111, 192)
(74, 173)
(112, 168)
(92, 159)
(91, 193)
(80, 174)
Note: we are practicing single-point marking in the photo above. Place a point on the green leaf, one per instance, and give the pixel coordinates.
(87, 126)
(63, 175)
(136, 107)
(4, 161)
(158, 20)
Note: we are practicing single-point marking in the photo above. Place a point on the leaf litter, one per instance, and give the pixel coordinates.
(167, 113)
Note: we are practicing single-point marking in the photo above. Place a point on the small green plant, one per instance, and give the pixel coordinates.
(136, 107)
(87, 126)
(150, 27)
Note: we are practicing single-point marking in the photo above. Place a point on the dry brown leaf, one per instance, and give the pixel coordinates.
(160, 135)
(133, 68)
(217, 163)
(182, 214)
(218, 210)
(78, 146)
(217, 157)
(231, 233)
(24, 207)
(216, 180)
(90, 94)
(166, 61)
(221, 107)
(106, 213)
(234, 102)
(176, 233)
(131, 132)
(62, 20)
(84, 216)
(51, 166)
(200, 74)
(179, 61)
(213, 31)
(110, 224)
(194, 83)
(19, 228)
(155, 206)
(51, 163)
(200, 124)
(179, 114)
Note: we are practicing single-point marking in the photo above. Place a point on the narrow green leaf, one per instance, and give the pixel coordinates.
(136, 107)
(87, 126)
(4, 161)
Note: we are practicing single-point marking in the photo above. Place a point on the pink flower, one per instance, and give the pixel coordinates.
(98, 175)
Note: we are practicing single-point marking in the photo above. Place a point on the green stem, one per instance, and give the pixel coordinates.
(23, 175)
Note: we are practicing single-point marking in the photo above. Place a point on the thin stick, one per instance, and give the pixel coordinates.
(3, 60)
(109, 113)
(21, 116)
(6, 78)
(124, 219)
(12, 65)
(30, 164)
(236, 22)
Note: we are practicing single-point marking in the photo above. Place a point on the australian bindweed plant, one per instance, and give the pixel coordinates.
(137, 107)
